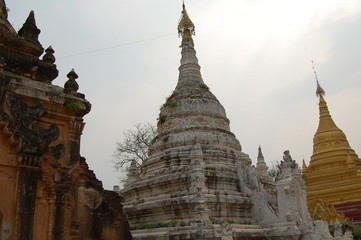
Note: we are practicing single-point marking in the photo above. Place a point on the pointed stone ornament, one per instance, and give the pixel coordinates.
(260, 154)
(261, 166)
(304, 166)
(133, 171)
(288, 166)
(71, 86)
(30, 31)
(49, 55)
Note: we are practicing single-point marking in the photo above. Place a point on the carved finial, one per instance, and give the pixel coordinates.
(71, 86)
(49, 55)
(29, 30)
(260, 155)
(133, 171)
(185, 26)
(319, 91)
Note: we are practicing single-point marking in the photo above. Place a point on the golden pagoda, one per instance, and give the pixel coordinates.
(333, 175)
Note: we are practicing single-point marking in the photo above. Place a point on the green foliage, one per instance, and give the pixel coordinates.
(355, 229)
(165, 139)
(183, 224)
(170, 104)
(172, 223)
(161, 119)
(72, 105)
(213, 220)
(149, 225)
(204, 86)
(230, 221)
(246, 222)
(153, 141)
(169, 97)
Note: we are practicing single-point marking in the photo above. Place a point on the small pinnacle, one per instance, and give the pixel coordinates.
(319, 91)
(72, 75)
(71, 86)
(31, 18)
(49, 55)
(29, 29)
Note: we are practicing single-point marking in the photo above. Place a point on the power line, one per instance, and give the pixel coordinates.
(116, 46)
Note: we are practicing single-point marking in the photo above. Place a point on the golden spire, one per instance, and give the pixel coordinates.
(319, 91)
(326, 123)
(185, 25)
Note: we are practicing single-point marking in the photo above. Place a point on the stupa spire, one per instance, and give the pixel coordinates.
(189, 71)
(185, 26)
(319, 90)
(260, 155)
(30, 31)
(326, 123)
(336, 162)
(261, 166)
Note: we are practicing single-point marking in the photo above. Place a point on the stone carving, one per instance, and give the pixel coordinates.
(226, 231)
(58, 151)
(325, 211)
(40, 164)
(71, 86)
(49, 56)
(29, 30)
(19, 119)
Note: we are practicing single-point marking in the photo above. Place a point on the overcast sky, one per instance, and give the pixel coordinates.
(255, 57)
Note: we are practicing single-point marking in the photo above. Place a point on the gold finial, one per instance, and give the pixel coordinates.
(185, 25)
(319, 91)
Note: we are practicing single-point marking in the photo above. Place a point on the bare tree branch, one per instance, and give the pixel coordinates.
(134, 146)
(275, 171)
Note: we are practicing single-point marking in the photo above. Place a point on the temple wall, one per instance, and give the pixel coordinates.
(47, 189)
